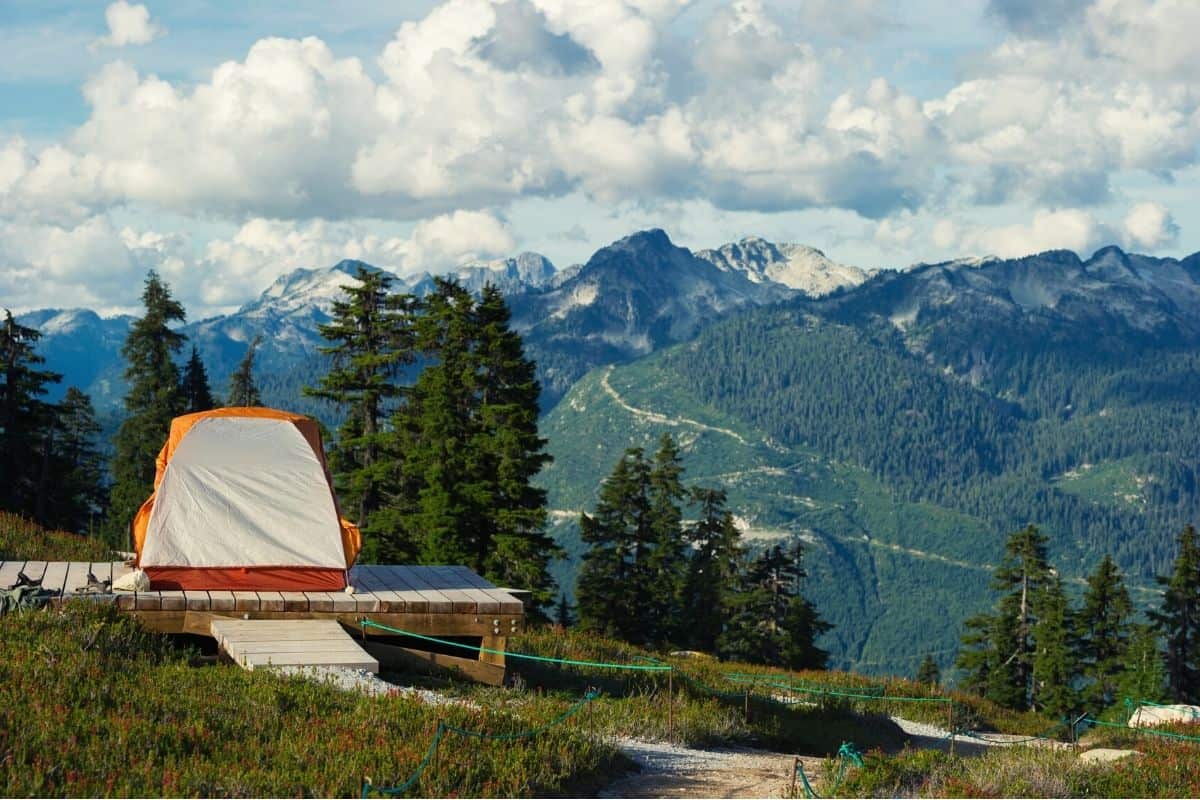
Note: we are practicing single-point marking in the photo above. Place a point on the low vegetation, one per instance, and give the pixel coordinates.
(22, 540)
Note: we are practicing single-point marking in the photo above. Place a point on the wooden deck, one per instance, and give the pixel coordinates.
(267, 643)
(430, 600)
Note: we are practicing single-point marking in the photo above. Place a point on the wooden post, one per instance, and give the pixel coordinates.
(953, 735)
(671, 706)
(747, 706)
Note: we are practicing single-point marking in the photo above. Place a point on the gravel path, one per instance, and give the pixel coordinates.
(926, 736)
(669, 770)
(363, 682)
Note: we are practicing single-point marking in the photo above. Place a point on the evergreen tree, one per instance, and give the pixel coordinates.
(242, 389)
(929, 673)
(1054, 660)
(712, 571)
(444, 494)
(196, 393)
(1179, 620)
(153, 400)
(998, 649)
(1144, 677)
(25, 419)
(516, 550)
(665, 562)
(608, 595)
(562, 612)
(1102, 627)
(771, 622)
(372, 339)
(77, 490)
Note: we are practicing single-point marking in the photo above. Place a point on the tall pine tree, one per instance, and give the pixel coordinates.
(1179, 620)
(1054, 664)
(712, 571)
(243, 391)
(1103, 628)
(997, 653)
(153, 400)
(371, 341)
(512, 453)
(76, 493)
(26, 420)
(197, 395)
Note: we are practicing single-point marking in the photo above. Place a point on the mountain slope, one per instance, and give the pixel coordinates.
(795, 266)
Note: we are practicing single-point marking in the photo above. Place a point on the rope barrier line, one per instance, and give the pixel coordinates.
(846, 753)
(366, 623)
(1146, 731)
(835, 693)
(444, 727)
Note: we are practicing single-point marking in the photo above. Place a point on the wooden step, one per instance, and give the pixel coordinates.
(258, 644)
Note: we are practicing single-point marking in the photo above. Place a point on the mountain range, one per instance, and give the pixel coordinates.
(901, 422)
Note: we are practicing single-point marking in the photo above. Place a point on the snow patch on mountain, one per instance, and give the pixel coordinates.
(796, 266)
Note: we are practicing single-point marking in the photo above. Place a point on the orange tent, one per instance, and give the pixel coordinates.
(243, 500)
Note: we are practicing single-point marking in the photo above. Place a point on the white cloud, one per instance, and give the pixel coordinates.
(1062, 229)
(128, 23)
(1150, 226)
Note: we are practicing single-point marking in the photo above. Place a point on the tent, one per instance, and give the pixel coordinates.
(243, 500)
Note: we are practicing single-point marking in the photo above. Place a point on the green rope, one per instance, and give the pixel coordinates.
(443, 728)
(847, 753)
(366, 623)
(733, 677)
(1146, 731)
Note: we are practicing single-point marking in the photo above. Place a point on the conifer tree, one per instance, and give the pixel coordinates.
(446, 495)
(516, 550)
(607, 596)
(929, 673)
(76, 493)
(1144, 677)
(371, 341)
(712, 573)
(771, 622)
(998, 649)
(1054, 659)
(153, 400)
(1103, 627)
(562, 612)
(196, 393)
(1179, 620)
(243, 391)
(25, 418)
(665, 563)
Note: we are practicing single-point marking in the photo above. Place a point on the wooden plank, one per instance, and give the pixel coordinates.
(343, 602)
(467, 598)
(56, 576)
(319, 601)
(508, 603)
(391, 599)
(245, 601)
(102, 571)
(9, 572)
(196, 600)
(34, 570)
(221, 601)
(270, 601)
(148, 601)
(438, 602)
(77, 577)
(260, 643)
(295, 601)
(361, 660)
(175, 600)
(364, 599)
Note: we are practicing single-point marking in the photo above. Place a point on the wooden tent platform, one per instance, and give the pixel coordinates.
(429, 600)
(266, 643)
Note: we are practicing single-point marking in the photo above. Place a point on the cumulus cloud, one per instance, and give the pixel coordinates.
(1150, 226)
(1037, 17)
(1061, 229)
(94, 263)
(128, 24)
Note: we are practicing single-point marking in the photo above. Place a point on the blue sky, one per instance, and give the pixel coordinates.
(224, 145)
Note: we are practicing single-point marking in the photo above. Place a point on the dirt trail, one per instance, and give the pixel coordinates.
(670, 770)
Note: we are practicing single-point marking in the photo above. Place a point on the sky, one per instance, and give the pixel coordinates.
(224, 144)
